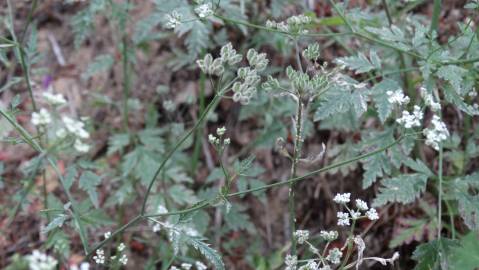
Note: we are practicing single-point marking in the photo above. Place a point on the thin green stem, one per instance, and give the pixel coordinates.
(206, 203)
(28, 139)
(126, 71)
(350, 246)
(260, 27)
(435, 16)
(178, 144)
(294, 164)
(439, 199)
(21, 56)
(199, 134)
(29, 19)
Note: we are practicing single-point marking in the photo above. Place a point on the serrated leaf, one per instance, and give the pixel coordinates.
(55, 223)
(468, 204)
(210, 254)
(118, 142)
(334, 101)
(380, 97)
(403, 189)
(144, 27)
(145, 168)
(101, 63)
(466, 255)
(432, 255)
(453, 74)
(181, 195)
(375, 60)
(374, 168)
(418, 166)
(359, 63)
(70, 177)
(88, 182)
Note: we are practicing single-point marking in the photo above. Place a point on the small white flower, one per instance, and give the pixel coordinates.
(355, 214)
(200, 266)
(342, 198)
(156, 227)
(301, 236)
(227, 141)
(334, 256)
(186, 266)
(361, 205)
(81, 146)
(311, 265)
(221, 131)
(436, 133)
(75, 127)
(291, 262)
(173, 20)
(429, 100)
(54, 99)
(99, 258)
(42, 117)
(372, 214)
(397, 97)
(329, 235)
(61, 133)
(411, 120)
(107, 235)
(343, 219)
(212, 139)
(124, 259)
(121, 247)
(161, 209)
(204, 10)
(41, 261)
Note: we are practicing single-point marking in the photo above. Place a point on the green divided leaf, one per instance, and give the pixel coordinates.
(359, 63)
(374, 167)
(432, 255)
(101, 63)
(380, 98)
(468, 204)
(88, 182)
(210, 254)
(453, 74)
(55, 223)
(403, 189)
(118, 142)
(466, 255)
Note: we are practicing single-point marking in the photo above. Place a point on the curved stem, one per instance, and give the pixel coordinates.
(177, 145)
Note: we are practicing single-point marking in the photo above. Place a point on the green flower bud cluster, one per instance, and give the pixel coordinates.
(228, 56)
(245, 89)
(294, 25)
(312, 52)
(211, 66)
(302, 82)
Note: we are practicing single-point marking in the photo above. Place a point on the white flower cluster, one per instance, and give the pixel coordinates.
(436, 133)
(204, 10)
(410, 120)
(67, 126)
(188, 266)
(429, 100)
(228, 55)
(41, 261)
(216, 141)
(41, 118)
(82, 266)
(173, 20)
(211, 66)
(311, 265)
(100, 257)
(397, 97)
(301, 236)
(293, 25)
(291, 262)
(334, 256)
(329, 235)
(344, 218)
